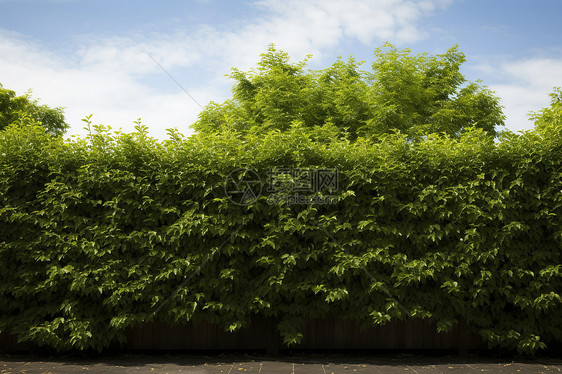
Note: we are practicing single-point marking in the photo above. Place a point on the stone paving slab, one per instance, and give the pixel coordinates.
(335, 364)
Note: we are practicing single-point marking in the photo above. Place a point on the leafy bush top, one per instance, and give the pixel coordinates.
(413, 94)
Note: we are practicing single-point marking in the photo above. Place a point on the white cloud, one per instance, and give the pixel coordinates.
(530, 82)
(302, 27)
(108, 76)
(104, 77)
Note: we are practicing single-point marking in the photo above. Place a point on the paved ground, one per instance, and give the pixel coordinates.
(325, 364)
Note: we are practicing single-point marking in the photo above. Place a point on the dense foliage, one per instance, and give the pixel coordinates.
(414, 94)
(22, 109)
(96, 234)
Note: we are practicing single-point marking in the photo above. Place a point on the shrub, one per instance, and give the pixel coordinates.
(97, 234)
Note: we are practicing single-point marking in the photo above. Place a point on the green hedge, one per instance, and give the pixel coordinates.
(96, 234)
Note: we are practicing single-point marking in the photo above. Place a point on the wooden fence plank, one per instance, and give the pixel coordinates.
(327, 333)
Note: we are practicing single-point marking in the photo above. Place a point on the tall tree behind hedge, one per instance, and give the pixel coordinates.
(413, 93)
(14, 109)
(551, 115)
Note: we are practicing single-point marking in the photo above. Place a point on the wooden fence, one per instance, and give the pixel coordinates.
(324, 334)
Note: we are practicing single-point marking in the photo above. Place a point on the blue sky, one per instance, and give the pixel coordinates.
(92, 56)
